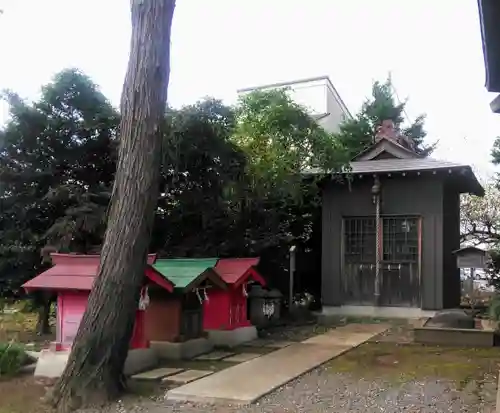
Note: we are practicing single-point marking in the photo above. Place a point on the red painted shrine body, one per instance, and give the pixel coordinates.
(71, 279)
(227, 309)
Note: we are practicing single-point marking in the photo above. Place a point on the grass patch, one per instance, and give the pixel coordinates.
(21, 328)
(12, 357)
(404, 362)
(375, 320)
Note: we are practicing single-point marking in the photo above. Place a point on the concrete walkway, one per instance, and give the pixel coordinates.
(249, 381)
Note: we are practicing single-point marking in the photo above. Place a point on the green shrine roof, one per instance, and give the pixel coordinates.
(183, 271)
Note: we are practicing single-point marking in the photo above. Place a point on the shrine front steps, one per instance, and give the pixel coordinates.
(247, 382)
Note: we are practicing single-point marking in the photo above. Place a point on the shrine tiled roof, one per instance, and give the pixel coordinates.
(238, 270)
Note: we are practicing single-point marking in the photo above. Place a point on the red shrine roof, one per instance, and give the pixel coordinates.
(238, 270)
(78, 272)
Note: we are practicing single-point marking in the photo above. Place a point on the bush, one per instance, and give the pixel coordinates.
(494, 308)
(12, 358)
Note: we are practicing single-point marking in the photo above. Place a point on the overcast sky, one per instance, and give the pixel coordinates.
(432, 49)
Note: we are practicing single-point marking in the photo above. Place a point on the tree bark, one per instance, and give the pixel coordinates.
(94, 373)
(43, 324)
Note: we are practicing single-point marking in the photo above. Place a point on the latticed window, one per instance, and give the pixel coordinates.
(399, 239)
(359, 240)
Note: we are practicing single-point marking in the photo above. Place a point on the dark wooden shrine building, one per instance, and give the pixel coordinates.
(389, 233)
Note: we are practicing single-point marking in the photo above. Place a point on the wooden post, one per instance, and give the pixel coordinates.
(378, 238)
(292, 275)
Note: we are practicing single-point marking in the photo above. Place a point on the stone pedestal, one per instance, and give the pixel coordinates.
(232, 338)
(52, 363)
(185, 350)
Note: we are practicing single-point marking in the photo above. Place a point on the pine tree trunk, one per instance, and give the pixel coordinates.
(94, 373)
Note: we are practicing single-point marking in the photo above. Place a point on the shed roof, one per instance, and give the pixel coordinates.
(187, 273)
(78, 272)
(235, 271)
(470, 249)
(395, 165)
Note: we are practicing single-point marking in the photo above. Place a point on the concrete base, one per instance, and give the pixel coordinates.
(373, 311)
(455, 337)
(166, 350)
(52, 363)
(232, 338)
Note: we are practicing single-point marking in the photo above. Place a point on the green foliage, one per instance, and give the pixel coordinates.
(493, 269)
(495, 151)
(494, 308)
(12, 358)
(201, 174)
(357, 133)
(56, 163)
(281, 140)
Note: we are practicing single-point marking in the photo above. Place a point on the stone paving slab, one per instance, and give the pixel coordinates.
(358, 328)
(187, 376)
(156, 374)
(247, 382)
(339, 339)
(242, 357)
(214, 356)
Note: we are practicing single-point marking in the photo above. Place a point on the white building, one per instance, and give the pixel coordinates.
(317, 95)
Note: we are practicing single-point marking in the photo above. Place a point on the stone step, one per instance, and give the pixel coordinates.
(187, 376)
(157, 374)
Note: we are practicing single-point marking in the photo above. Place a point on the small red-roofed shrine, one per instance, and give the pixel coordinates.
(71, 279)
(227, 309)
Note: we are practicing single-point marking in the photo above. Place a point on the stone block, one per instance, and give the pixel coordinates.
(157, 374)
(455, 337)
(187, 376)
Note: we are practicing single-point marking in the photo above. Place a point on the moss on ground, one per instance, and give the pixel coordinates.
(404, 362)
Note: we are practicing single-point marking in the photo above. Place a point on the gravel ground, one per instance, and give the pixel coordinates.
(321, 391)
(325, 390)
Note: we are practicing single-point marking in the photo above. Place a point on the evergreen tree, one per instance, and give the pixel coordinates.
(358, 133)
(54, 153)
